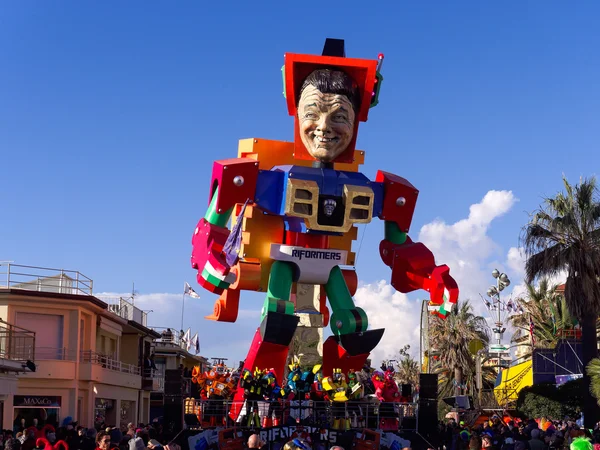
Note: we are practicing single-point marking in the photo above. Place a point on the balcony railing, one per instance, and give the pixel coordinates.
(44, 279)
(16, 343)
(125, 309)
(153, 380)
(106, 362)
(169, 337)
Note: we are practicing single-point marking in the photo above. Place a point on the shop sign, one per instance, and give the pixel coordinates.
(42, 401)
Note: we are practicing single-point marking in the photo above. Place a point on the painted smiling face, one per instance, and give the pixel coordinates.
(326, 114)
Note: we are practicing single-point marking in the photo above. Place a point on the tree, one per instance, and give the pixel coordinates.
(450, 338)
(547, 307)
(564, 234)
(407, 368)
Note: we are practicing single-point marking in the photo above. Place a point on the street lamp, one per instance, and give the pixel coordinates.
(502, 282)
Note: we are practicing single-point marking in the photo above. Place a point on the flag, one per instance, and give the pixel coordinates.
(531, 329)
(234, 240)
(185, 340)
(187, 290)
(196, 343)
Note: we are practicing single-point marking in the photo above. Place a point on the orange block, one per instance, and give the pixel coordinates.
(279, 153)
(258, 232)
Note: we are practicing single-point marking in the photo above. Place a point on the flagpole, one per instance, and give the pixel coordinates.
(182, 306)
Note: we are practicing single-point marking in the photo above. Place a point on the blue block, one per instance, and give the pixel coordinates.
(270, 188)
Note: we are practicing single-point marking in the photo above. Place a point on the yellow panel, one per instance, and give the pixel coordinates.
(513, 379)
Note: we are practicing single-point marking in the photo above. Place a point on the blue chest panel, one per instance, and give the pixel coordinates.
(324, 199)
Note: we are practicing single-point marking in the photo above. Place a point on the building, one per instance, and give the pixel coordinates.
(17, 355)
(89, 355)
(172, 353)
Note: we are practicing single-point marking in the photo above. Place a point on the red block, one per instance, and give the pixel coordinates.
(335, 357)
(262, 355)
(236, 180)
(395, 188)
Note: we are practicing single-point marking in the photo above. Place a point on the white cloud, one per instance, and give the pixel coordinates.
(389, 309)
(468, 249)
(228, 340)
(466, 246)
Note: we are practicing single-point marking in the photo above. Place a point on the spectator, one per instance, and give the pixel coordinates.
(254, 441)
(102, 441)
(535, 443)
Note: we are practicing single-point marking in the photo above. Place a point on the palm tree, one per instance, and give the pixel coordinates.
(408, 371)
(547, 307)
(564, 234)
(451, 338)
(593, 370)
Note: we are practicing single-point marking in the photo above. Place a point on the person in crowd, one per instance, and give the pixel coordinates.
(102, 441)
(254, 441)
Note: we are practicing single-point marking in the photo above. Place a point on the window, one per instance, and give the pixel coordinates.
(48, 334)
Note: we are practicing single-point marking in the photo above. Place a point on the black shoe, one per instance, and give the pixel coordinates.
(361, 342)
(278, 328)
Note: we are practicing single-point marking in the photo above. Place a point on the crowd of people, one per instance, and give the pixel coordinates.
(528, 435)
(75, 437)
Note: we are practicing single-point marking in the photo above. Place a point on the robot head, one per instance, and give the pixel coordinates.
(329, 95)
(220, 369)
(351, 377)
(389, 377)
(270, 378)
(338, 376)
(319, 376)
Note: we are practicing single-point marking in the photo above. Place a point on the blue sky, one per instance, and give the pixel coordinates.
(112, 112)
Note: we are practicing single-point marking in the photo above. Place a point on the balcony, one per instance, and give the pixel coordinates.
(54, 362)
(43, 279)
(126, 310)
(103, 369)
(153, 380)
(17, 347)
(169, 338)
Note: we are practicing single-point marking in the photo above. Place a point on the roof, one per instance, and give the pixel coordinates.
(57, 295)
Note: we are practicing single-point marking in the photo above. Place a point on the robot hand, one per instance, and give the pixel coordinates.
(442, 287)
(413, 267)
(214, 273)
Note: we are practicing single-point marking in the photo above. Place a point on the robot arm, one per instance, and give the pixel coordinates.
(413, 265)
(233, 182)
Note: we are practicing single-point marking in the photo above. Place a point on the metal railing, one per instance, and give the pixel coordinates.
(365, 413)
(125, 309)
(88, 356)
(170, 337)
(44, 279)
(16, 343)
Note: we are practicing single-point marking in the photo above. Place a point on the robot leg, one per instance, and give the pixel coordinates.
(351, 343)
(272, 339)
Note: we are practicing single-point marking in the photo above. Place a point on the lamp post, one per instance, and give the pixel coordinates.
(502, 282)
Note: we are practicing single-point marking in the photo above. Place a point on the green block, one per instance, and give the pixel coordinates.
(280, 280)
(212, 216)
(394, 234)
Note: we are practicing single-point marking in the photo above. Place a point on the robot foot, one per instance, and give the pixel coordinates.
(361, 342)
(349, 352)
(269, 349)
